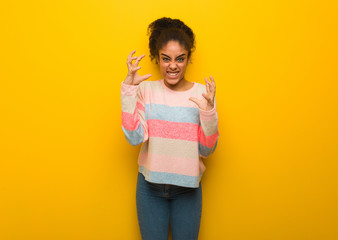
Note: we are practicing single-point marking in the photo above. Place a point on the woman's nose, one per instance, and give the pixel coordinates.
(172, 66)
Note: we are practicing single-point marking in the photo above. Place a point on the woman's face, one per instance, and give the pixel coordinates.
(173, 60)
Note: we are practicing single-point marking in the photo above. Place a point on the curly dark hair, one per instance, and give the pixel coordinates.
(164, 29)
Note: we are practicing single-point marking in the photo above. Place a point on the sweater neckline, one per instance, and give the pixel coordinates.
(177, 92)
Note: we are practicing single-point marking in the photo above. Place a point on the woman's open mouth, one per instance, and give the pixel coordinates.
(172, 74)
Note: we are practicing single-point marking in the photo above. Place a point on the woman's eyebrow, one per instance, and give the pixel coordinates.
(176, 57)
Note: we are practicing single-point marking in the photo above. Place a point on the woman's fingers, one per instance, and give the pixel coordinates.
(133, 67)
(145, 77)
(207, 85)
(207, 102)
(139, 59)
(130, 61)
(213, 83)
(212, 80)
(207, 96)
(130, 57)
(211, 88)
(131, 54)
(195, 100)
(209, 99)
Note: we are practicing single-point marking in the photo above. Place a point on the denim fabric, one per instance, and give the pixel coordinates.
(159, 205)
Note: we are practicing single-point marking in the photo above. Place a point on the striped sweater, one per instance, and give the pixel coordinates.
(175, 134)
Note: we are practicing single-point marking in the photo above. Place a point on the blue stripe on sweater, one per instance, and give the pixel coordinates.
(171, 178)
(206, 151)
(134, 137)
(172, 114)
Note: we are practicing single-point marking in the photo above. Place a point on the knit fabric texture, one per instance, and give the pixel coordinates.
(175, 134)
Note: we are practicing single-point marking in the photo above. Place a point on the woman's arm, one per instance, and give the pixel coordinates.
(134, 125)
(208, 130)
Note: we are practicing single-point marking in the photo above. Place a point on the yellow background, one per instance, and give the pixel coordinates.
(66, 170)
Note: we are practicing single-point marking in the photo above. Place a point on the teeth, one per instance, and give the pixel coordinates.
(173, 74)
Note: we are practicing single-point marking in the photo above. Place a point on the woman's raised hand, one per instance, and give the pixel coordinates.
(208, 100)
(133, 78)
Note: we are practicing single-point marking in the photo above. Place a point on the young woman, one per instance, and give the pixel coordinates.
(176, 122)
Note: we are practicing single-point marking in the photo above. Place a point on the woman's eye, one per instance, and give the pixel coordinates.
(165, 59)
(180, 59)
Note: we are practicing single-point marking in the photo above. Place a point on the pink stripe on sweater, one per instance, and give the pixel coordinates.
(208, 141)
(131, 121)
(173, 130)
(163, 163)
(139, 106)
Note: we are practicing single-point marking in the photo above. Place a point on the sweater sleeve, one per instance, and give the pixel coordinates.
(208, 132)
(134, 123)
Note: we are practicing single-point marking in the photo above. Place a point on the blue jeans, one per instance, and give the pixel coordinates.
(161, 204)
